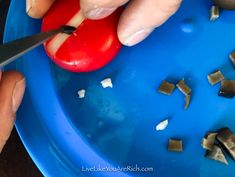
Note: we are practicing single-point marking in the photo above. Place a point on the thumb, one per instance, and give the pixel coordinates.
(12, 86)
(142, 17)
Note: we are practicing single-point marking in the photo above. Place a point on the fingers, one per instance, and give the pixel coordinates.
(38, 8)
(97, 9)
(142, 16)
(12, 86)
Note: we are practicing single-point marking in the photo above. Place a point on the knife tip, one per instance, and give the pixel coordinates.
(68, 29)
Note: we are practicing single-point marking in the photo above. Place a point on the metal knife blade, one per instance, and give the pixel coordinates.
(14, 49)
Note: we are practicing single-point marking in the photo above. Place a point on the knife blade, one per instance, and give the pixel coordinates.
(14, 49)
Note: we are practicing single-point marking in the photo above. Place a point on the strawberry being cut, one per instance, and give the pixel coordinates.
(93, 44)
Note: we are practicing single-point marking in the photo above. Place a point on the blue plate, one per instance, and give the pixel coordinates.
(67, 136)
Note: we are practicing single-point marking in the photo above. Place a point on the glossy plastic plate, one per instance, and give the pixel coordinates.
(116, 127)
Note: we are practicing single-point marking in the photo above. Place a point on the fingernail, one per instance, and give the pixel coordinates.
(18, 93)
(99, 13)
(28, 5)
(137, 37)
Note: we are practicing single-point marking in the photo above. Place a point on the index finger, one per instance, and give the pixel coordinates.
(97, 9)
(38, 8)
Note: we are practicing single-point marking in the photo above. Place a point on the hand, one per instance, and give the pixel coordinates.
(138, 20)
(12, 86)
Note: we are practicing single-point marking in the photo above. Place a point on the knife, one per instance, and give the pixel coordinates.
(14, 49)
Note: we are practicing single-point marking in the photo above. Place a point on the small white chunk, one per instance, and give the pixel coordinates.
(162, 125)
(107, 83)
(81, 93)
(215, 12)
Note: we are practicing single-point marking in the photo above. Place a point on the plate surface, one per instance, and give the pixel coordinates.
(116, 127)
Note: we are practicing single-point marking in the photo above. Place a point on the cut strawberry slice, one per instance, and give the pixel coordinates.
(90, 47)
